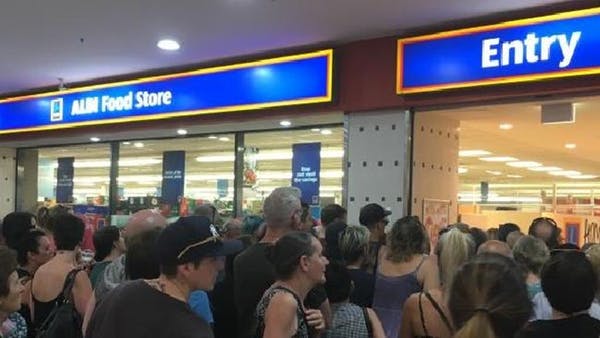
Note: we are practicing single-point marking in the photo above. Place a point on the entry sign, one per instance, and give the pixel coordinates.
(560, 45)
(306, 169)
(289, 80)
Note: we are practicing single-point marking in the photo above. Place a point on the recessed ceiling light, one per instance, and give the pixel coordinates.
(582, 177)
(545, 169)
(514, 176)
(326, 132)
(498, 159)
(138, 145)
(463, 170)
(181, 132)
(316, 130)
(126, 143)
(95, 139)
(168, 44)
(506, 126)
(285, 123)
(494, 172)
(224, 139)
(213, 137)
(564, 173)
(524, 164)
(570, 146)
(473, 153)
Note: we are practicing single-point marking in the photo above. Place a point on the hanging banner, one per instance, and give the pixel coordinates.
(306, 169)
(553, 46)
(173, 177)
(282, 81)
(64, 180)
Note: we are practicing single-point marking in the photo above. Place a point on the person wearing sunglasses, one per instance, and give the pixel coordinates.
(190, 253)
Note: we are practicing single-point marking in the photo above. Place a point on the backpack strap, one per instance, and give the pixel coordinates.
(439, 310)
(421, 314)
(368, 322)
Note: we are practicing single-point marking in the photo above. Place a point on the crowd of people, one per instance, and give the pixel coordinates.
(281, 274)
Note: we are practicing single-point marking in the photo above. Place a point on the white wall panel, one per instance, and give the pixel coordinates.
(8, 176)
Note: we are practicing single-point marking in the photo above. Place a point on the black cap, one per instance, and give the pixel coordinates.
(372, 213)
(191, 238)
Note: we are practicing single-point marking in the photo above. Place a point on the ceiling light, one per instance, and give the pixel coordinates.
(494, 172)
(582, 177)
(524, 164)
(213, 137)
(268, 155)
(181, 132)
(316, 130)
(326, 132)
(570, 146)
(126, 143)
(138, 145)
(545, 169)
(473, 153)
(462, 170)
(564, 173)
(498, 159)
(95, 139)
(285, 123)
(224, 139)
(506, 126)
(514, 176)
(168, 44)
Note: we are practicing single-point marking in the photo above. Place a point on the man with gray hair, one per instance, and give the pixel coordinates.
(253, 272)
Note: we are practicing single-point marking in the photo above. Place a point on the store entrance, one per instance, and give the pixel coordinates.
(512, 167)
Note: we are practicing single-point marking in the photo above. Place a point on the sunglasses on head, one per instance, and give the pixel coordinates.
(210, 239)
(544, 219)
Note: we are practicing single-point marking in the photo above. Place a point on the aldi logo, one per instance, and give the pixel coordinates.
(56, 110)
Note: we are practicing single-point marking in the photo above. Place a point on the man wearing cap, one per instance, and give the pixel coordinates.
(374, 217)
(191, 253)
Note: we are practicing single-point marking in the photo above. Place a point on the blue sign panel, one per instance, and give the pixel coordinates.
(173, 176)
(306, 169)
(291, 80)
(553, 46)
(64, 180)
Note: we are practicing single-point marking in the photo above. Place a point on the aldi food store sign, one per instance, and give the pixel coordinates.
(560, 45)
(283, 81)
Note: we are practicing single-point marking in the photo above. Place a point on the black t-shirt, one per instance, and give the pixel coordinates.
(581, 326)
(137, 310)
(364, 285)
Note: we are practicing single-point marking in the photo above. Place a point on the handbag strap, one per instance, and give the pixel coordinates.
(368, 322)
(66, 295)
(439, 311)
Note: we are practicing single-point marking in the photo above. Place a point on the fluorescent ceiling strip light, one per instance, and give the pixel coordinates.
(463, 170)
(498, 159)
(582, 177)
(268, 155)
(524, 164)
(545, 169)
(564, 173)
(473, 153)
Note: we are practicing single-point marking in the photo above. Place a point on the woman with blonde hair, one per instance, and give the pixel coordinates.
(354, 248)
(425, 314)
(403, 270)
(488, 298)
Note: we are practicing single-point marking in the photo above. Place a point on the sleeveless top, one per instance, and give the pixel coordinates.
(262, 306)
(41, 310)
(390, 295)
(437, 308)
(348, 322)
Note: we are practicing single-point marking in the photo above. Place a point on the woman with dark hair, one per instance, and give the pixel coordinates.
(299, 265)
(15, 226)
(488, 298)
(109, 245)
(33, 251)
(403, 270)
(47, 284)
(12, 325)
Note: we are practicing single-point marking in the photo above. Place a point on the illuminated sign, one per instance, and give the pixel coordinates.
(283, 81)
(554, 46)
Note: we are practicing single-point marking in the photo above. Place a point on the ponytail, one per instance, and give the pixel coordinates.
(479, 325)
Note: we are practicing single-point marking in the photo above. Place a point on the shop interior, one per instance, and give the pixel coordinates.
(514, 168)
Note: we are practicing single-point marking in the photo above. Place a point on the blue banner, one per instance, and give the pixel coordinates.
(306, 169)
(64, 180)
(290, 80)
(173, 176)
(222, 187)
(553, 46)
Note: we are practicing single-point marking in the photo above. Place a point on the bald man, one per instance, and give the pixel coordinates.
(497, 247)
